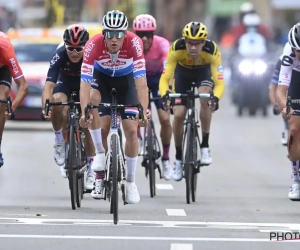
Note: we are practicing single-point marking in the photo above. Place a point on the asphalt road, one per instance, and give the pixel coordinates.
(241, 197)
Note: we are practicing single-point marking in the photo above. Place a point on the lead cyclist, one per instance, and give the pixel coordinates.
(155, 51)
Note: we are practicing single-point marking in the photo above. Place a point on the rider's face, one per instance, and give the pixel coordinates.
(297, 53)
(114, 40)
(74, 53)
(194, 47)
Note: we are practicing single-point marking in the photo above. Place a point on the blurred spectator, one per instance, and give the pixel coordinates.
(232, 36)
(7, 19)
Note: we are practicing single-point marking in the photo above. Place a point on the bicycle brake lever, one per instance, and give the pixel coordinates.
(87, 113)
(47, 107)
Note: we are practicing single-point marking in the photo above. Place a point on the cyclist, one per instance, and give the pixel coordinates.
(289, 82)
(63, 78)
(272, 94)
(114, 59)
(193, 58)
(155, 51)
(9, 67)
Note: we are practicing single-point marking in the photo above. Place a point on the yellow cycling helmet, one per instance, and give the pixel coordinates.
(195, 31)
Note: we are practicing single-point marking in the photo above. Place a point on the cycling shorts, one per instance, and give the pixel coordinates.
(5, 76)
(185, 77)
(126, 92)
(153, 86)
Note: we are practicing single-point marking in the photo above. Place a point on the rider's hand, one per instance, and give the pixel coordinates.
(284, 114)
(148, 114)
(143, 123)
(9, 116)
(44, 117)
(166, 102)
(214, 104)
(276, 109)
(84, 124)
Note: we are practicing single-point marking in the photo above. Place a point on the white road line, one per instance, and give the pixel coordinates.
(135, 238)
(164, 186)
(42, 221)
(181, 246)
(29, 215)
(176, 212)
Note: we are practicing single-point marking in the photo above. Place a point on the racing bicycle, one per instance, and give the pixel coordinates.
(76, 161)
(115, 172)
(152, 151)
(191, 157)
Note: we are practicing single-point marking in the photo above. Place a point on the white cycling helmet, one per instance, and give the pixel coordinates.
(114, 20)
(251, 20)
(294, 36)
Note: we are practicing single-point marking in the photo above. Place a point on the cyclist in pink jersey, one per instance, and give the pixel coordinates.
(155, 51)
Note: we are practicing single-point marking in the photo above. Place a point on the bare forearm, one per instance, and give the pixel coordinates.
(84, 94)
(142, 93)
(47, 92)
(22, 92)
(272, 94)
(281, 95)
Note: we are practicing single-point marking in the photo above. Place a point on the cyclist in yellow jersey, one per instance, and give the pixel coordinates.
(193, 59)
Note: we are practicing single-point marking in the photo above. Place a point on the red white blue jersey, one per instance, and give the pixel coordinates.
(129, 59)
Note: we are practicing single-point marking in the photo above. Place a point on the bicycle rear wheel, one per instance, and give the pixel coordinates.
(72, 173)
(151, 159)
(115, 194)
(187, 162)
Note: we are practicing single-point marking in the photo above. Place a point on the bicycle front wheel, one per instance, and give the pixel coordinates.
(151, 159)
(114, 163)
(187, 162)
(72, 175)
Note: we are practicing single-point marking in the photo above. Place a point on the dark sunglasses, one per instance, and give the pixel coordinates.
(195, 43)
(111, 34)
(147, 34)
(76, 49)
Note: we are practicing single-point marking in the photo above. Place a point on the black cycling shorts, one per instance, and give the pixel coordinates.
(67, 85)
(5, 76)
(294, 90)
(185, 77)
(126, 92)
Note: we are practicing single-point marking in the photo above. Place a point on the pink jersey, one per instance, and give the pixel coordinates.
(157, 55)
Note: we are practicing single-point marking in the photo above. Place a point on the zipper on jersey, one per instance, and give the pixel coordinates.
(114, 58)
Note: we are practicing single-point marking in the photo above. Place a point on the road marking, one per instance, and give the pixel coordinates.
(176, 212)
(29, 215)
(164, 186)
(152, 224)
(181, 246)
(134, 238)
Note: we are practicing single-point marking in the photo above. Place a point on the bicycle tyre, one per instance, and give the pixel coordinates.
(188, 159)
(115, 196)
(151, 159)
(194, 172)
(79, 174)
(72, 173)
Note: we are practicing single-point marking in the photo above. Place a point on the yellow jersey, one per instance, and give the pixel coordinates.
(210, 55)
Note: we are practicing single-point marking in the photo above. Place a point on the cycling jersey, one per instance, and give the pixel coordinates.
(156, 57)
(61, 65)
(130, 58)
(210, 55)
(8, 57)
(289, 63)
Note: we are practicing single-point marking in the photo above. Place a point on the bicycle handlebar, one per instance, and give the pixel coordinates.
(113, 106)
(48, 104)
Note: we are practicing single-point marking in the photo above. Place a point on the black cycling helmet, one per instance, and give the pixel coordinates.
(76, 35)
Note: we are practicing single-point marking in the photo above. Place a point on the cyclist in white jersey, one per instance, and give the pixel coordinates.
(289, 83)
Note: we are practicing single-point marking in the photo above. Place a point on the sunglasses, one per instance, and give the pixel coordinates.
(76, 49)
(142, 34)
(111, 34)
(191, 43)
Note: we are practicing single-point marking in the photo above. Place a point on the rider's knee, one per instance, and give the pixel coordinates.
(165, 121)
(130, 133)
(204, 104)
(179, 115)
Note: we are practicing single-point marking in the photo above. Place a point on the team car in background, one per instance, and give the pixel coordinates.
(34, 49)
